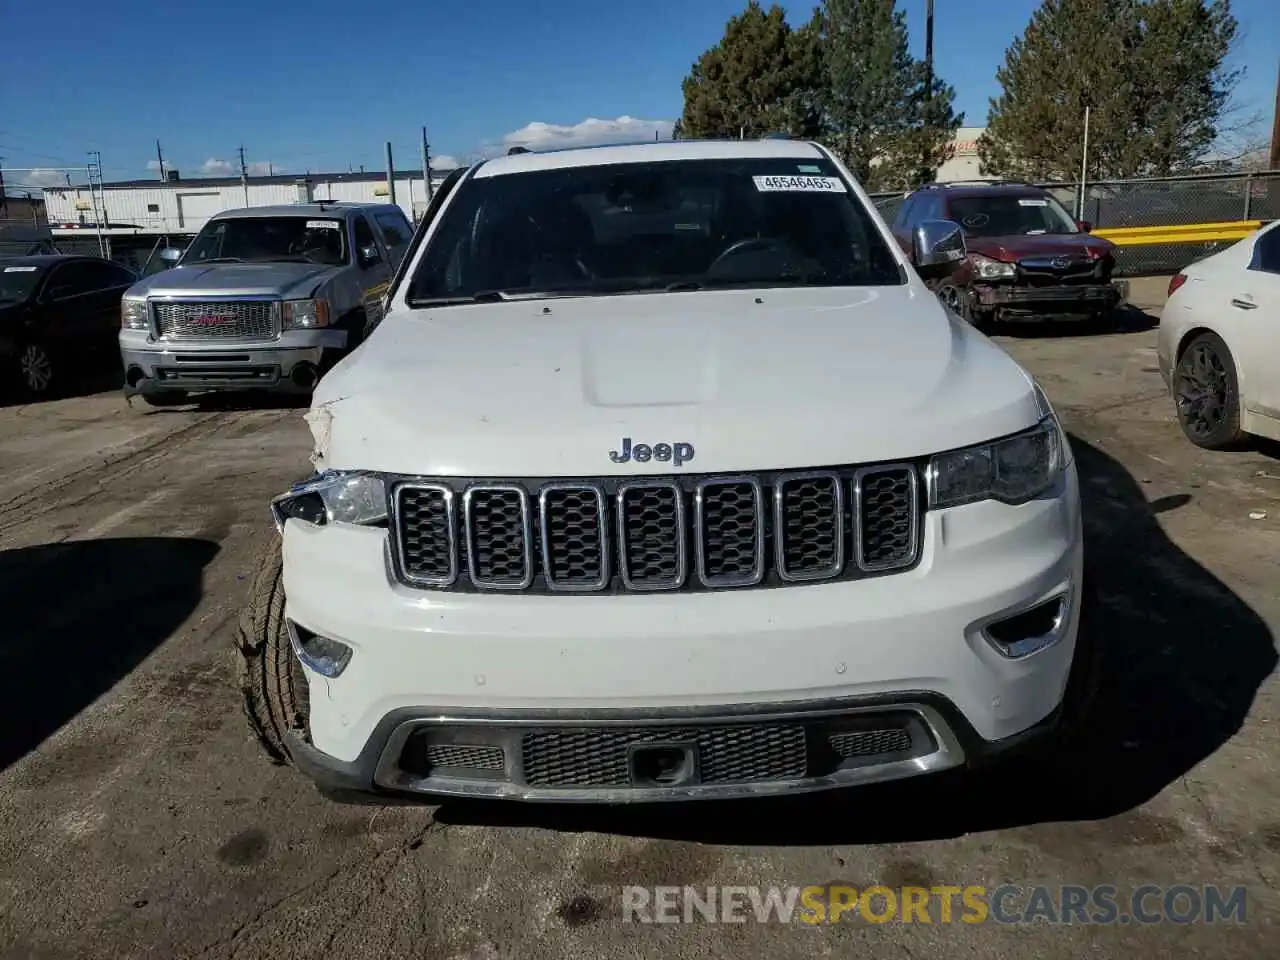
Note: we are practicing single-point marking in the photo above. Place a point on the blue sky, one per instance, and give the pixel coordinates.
(322, 85)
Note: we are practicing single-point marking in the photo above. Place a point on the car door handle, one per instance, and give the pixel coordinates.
(1243, 304)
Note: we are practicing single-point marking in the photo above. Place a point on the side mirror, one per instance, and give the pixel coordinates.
(937, 246)
(170, 254)
(1084, 226)
(369, 256)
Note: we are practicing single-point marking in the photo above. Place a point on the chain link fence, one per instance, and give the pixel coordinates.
(1158, 202)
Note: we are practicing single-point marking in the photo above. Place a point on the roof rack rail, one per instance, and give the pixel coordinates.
(942, 184)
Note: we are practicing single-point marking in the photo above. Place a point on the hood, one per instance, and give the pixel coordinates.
(1013, 248)
(751, 380)
(288, 280)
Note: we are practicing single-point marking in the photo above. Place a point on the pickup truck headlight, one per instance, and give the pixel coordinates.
(306, 314)
(133, 315)
(989, 269)
(1013, 470)
(334, 497)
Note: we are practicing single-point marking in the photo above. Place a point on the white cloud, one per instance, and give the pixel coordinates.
(444, 162)
(213, 167)
(590, 132)
(38, 178)
(216, 168)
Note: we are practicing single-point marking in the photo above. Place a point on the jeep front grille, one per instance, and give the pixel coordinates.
(220, 320)
(651, 534)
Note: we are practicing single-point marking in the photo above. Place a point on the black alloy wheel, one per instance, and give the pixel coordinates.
(1206, 393)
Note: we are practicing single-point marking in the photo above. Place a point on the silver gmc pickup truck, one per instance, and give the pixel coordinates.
(264, 298)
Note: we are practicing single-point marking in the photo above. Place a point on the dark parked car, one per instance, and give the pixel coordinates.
(1027, 258)
(59, 316)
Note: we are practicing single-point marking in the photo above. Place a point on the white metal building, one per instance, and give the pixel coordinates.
(143, 207)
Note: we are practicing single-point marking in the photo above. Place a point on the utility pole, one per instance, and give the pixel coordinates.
(1275, 131)
(391, 175)
(4, 202)
(160, 160)
(244, 176)
(426, 166)
(927, 172)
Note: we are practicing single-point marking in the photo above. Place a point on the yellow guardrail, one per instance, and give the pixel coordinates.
(1179, 233)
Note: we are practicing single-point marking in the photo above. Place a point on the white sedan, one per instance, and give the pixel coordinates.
(1219, 343)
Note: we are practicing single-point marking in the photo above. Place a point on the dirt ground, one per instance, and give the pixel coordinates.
(137, 819)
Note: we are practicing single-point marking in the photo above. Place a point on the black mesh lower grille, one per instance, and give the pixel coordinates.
(599, 757)
(463, 756)
(870, 743)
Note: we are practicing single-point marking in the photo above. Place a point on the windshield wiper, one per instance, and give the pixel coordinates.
(480, 296)
(218, 260)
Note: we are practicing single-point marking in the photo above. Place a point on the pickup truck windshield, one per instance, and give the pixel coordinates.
(264, 239)
(1010, 216)
(671, 225)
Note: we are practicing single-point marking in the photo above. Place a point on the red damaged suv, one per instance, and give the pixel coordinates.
(1028, 259)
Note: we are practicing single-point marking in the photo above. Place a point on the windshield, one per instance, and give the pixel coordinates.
(17, 281)
(1008, 215)
(260, 239)
(625, 228)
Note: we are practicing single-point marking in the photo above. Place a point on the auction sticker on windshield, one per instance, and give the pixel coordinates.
(1033, 202)
(19, 269)
(322, 224)
(798, 184)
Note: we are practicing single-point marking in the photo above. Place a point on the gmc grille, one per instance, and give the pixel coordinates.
(219, 320)
(643, 535)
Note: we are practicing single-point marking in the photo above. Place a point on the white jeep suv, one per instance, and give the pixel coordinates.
(666, 476)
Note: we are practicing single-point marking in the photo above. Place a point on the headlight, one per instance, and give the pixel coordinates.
(1013, 470)
(989, 269)
(334, 496)
(133, 315)
(306, 314)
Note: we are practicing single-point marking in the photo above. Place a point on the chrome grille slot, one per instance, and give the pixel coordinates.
(499, 551)
(427, 534)
(886, 508)
(574, 530)
(652, 545)
(647, 534)
(219, 320)
(809, 525)
(730, 532)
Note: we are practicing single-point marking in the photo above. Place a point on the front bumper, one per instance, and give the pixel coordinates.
(292, 363)
(904, 658)
(1011, 300)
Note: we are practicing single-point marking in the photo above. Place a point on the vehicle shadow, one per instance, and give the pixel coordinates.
(1129, 319)
(1183, 658)
(229, 403)
(78, 617)
(84, 384)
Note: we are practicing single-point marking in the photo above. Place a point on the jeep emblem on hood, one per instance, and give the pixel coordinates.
(677, 454)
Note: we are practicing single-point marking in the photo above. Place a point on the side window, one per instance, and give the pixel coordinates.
(120, 276)
(70, 280)
(395, 228)
(1266, 252)
(363, 234)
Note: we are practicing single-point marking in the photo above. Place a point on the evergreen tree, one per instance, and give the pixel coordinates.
(761, 78)
(1151, 72)
(874, 107)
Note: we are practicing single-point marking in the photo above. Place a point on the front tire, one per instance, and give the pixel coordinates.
(272, 684)
(1206, 393)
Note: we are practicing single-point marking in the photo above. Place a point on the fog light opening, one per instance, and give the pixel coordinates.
(324, 655)
(1029, 630)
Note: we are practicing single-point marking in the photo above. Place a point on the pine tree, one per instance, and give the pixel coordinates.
(1151, 72)
(875, 103)
(761, 78)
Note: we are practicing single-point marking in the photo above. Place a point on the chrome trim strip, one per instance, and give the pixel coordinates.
(388, 774)
(859, 476)
(682, 542)
(780, 529)
(602, 530)
(730, 580)
(526, 533)
(451, 520)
